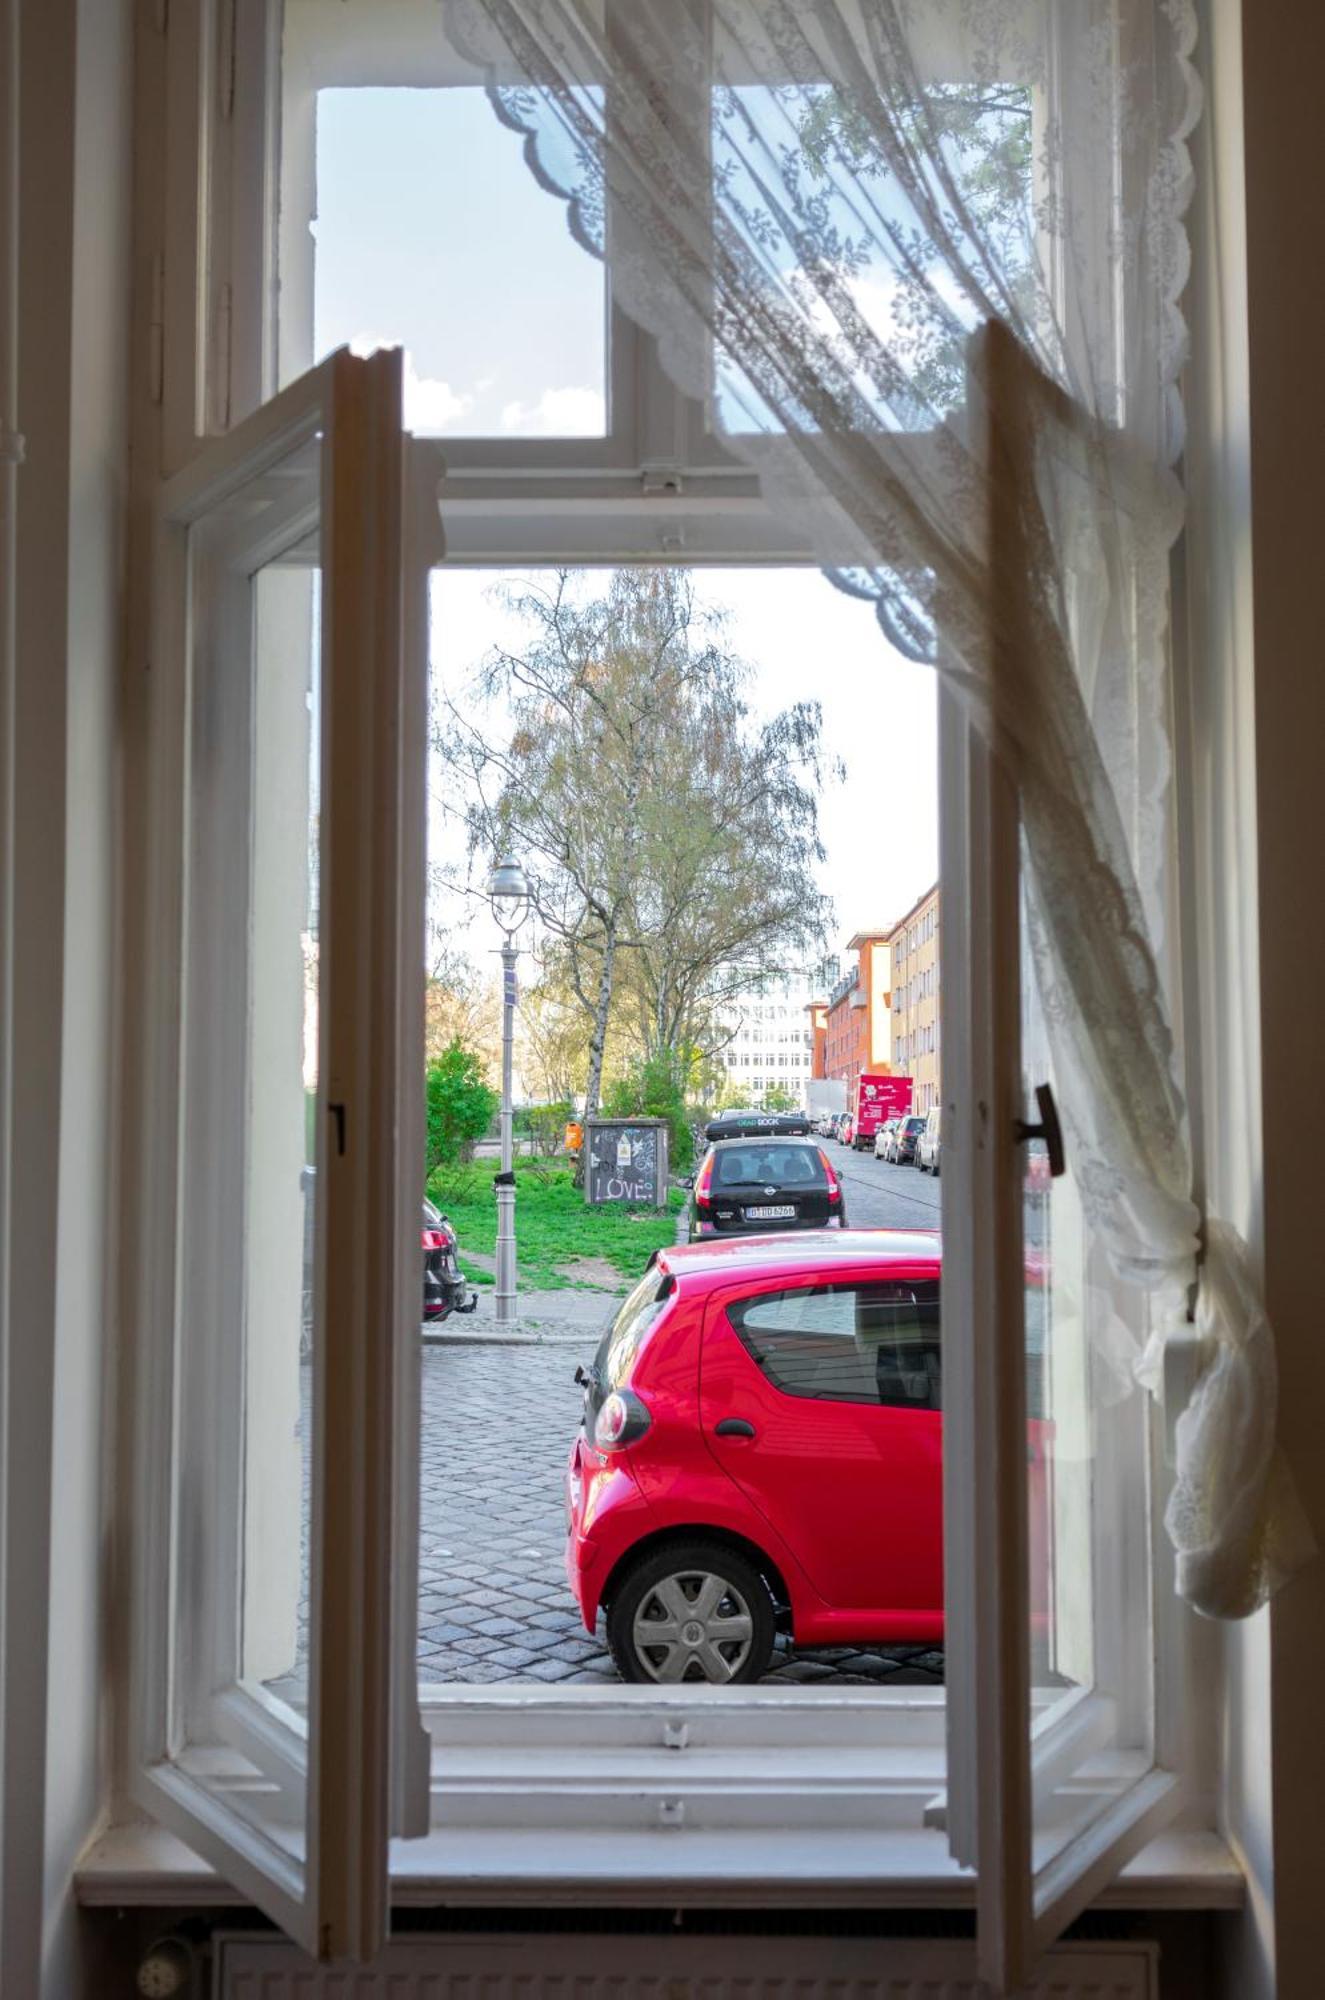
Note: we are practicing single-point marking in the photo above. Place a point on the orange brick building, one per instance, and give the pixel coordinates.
(858, 1022)
(882, 1016)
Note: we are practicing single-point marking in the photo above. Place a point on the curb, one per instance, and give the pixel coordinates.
(513, 1338)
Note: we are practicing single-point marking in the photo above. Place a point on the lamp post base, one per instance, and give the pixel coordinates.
(505, 1293)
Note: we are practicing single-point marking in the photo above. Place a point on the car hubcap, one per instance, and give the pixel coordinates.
(693, 1626)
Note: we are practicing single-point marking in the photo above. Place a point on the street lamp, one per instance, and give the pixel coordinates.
(508, 893)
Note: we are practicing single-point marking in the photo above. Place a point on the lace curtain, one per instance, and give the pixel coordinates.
(825, 211)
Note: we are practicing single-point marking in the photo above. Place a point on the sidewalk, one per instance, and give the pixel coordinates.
(574, 1316)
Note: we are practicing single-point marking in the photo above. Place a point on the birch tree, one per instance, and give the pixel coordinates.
(591, 699)
(670, 839)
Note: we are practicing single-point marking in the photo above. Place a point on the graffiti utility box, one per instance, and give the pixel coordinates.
(625, 1159)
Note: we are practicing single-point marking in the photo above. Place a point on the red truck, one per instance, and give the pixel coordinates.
(878, 1098)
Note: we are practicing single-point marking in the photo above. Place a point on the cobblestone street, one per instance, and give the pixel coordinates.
(494, 1601)
(498, 1420)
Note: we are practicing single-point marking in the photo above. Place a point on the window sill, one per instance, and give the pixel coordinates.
(140, 1865)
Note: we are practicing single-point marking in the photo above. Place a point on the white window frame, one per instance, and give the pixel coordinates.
(297, 1814)
(997, 1756)
(657, 488)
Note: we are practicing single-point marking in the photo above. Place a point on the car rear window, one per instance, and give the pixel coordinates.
(765, 1165)
(915, 1124)
(867, 1343)
(625, 1336)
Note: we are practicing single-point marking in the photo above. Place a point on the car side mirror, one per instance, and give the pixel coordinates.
(687, 1180)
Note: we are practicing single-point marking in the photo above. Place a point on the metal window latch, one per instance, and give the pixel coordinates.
(1048, 1129)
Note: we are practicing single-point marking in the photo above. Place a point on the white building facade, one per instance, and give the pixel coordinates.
(770, 1044)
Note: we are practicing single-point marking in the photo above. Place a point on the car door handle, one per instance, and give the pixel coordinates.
(733, 1427)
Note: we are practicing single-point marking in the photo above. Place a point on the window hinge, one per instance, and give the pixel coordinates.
(225, 58)
(156, 330)
(658, 480)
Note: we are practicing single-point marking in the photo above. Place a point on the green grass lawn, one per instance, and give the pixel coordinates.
(553, 1223)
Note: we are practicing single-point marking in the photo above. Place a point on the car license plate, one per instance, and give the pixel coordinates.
(778, 1214)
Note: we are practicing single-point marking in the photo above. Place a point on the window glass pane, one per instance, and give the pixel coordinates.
(1087, 1497)
(861, 1344)
(872, 232)
(625, 1336)
(249, 1300)
(281, 1140)
(428, 231)
(780, 1166)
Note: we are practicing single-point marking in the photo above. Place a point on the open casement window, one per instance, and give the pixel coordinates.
(1056, 1749)
(278, 1531)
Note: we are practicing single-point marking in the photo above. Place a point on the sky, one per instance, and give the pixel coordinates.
(432, 232)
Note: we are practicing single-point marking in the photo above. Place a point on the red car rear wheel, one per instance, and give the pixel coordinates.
(692, 1611)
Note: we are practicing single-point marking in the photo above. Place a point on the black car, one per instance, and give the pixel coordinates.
(445, 1289)
(764, 1182)
(906, 1140)
(754, 1124)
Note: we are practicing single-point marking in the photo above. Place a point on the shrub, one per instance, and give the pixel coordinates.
(547, 1125)
(460, 1105)
(778, 1098)
(655, 1088)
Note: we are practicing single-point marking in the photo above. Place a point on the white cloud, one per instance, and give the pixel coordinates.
(558, 413)
(431, 406)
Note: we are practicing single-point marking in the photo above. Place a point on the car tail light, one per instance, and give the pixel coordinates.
(436, 1239)
(704, 1185)
(834, 1191)
(621, 1418)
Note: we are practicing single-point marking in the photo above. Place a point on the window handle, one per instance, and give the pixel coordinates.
(733, 1427)
(1048, 1129)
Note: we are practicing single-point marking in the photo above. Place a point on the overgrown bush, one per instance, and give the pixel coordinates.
(460, 1106)
(547, 1125)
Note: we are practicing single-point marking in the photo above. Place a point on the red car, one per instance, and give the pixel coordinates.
(761, 1453)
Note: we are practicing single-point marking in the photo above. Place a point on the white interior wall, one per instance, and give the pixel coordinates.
(1256, 398)
(1283, 54)
(1219, 609)
(74, 280)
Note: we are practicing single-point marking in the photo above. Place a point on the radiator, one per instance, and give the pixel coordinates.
(598, 1966)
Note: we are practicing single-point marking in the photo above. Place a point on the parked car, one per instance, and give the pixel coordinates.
(884, 1137)
(750, 1124)
(927, 1147)
(762, 1184)
(905, 1140)
(735, 1379)
(445, 1288)
(846, 1129)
